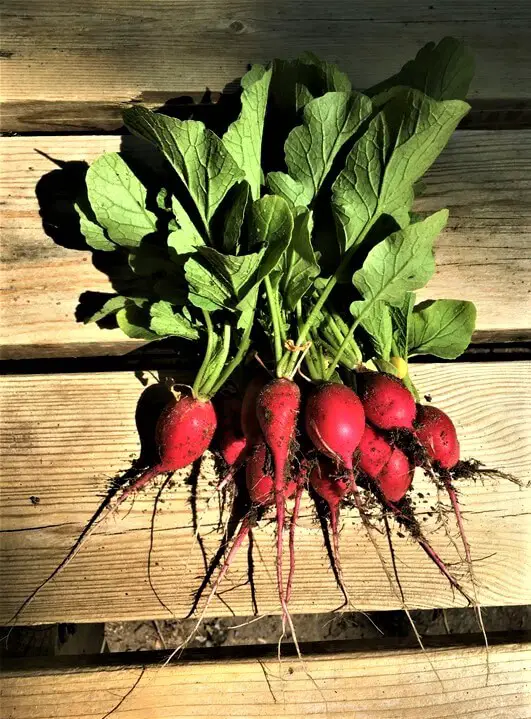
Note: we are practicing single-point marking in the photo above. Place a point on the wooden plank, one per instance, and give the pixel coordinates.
(484, 255)
(110, 53)
(373, 685)
(66, 436)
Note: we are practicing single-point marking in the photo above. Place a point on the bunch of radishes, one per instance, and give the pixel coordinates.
(291, 238)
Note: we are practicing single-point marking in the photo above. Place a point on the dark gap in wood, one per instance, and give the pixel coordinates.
(126, 660)
(41, 118)
(156, 359)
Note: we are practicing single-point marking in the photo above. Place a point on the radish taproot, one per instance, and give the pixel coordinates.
(332, 489)
(277, 409)
(387, 402)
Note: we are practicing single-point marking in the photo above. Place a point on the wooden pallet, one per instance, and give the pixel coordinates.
(67, 430)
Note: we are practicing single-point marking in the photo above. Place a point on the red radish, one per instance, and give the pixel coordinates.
(395, 478)
(260, 483)
(249, 425)
(436, 432)
(388, 404)
(332, 489)
(388, 466)
(335, 421)
(231, 440)
(374, 452)
(183, 433)
(277, 409)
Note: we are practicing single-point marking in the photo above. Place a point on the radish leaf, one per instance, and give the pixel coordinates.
(328, 122)
(118, 200)
(93, 233)
(401, 263)
(235, 217)
(134, 321)
(299, 267)
(165, 322)
(401, 315)
(442, 328)
(442, 71)
(243, 138)
(198, 156)
(400, 144)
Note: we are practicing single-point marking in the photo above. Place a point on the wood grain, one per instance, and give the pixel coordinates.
(113, 52)
(484, 255)
(66, 436)
(373, 685)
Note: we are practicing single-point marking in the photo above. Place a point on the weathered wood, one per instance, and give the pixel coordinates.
(66, 436)
(376, 685)
(484, 255)
(110, 53)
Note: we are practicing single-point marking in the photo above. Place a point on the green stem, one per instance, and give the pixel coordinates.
(238, 357)
(275, 318)
(348, 338)
(219, 362)
(211, 338)
(332, 282)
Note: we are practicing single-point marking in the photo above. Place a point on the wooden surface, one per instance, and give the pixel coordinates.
(58, 59)
(66, 436)
(372, 685)
(484, 255)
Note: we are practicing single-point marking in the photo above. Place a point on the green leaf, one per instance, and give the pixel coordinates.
(198, 156)
(400, 144)
(110, 307)
(118, 200)
(376, 321)
(243, 138)
(300, 266)
(165, 322)
(271, 225)
(401, 316)
(442, 328)
(237, 271)
(134, 322)
(332, 78)
(235, 217)
(186, 238)
(328, 122)
(286, 187)
(442, 71)
(206, 290)
(93, 233)
(302, 96)
(401, 263)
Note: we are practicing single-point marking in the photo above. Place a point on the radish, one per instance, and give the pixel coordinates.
(436, 432)
(332, 489)
(374, 452)
(231, 441)
(259, 480)
(277, 409)
(183, 433)
(249, 425)
(395, 478)
(388, 466)
(388, 404)
(334, 421)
